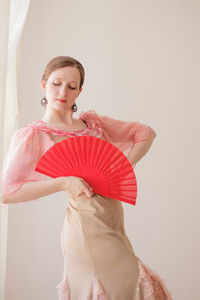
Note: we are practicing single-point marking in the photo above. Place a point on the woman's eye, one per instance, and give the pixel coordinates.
(59, 84)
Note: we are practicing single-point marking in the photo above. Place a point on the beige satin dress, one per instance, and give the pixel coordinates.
(99, 261)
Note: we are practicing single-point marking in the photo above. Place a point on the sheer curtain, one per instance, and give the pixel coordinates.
(12, 18)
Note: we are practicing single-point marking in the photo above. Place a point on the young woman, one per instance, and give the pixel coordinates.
(99, 261)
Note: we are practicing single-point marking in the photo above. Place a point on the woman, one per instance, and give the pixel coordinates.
(99, 261)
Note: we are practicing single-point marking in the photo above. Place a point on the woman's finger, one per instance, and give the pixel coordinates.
(88, 192)
(88, 186)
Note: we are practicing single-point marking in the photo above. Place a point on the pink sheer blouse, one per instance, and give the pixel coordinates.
(31, 141)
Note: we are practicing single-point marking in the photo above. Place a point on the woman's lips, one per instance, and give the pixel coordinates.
(61, 100)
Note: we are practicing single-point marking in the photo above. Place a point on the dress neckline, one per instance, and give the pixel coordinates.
(89, 117)
(61, 130)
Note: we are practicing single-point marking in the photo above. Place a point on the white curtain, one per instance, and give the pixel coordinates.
(13, 14)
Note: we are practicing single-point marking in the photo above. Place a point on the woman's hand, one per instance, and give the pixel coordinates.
(75, 186)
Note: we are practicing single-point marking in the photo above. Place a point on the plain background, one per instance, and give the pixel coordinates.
(141, 60)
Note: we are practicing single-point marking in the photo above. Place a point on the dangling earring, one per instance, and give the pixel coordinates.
(74, 107)
(44, 101)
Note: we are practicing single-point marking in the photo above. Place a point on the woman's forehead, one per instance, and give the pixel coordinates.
(66, 73)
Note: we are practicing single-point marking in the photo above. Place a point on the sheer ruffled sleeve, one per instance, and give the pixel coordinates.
(122, 134)
(19, 163)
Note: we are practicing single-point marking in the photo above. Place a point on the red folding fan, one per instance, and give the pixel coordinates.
(102, 165)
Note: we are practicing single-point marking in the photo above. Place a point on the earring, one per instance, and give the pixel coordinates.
(44, 101)
(74, 107)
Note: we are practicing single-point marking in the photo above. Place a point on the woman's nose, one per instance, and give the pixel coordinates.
(64, 90)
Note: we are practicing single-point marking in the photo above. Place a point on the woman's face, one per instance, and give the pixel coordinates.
(62, 84)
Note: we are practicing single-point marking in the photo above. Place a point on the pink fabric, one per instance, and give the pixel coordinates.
(63, 292)
(20, 160)
(98, 292)
(120, 133)
(152, 285)
(30, 142)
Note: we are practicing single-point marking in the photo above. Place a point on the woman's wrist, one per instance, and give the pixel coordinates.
(61, 182)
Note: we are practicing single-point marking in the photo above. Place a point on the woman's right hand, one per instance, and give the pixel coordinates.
(75, 186)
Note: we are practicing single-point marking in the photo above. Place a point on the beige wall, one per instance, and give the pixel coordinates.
(142, 63)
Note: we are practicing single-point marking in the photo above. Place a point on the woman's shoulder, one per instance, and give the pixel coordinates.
(23, 130)
(34, 127)
(92, 114)
(24, 134)
(94, 124)
(92, 118)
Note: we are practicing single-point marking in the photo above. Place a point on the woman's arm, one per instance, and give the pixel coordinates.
(140, 149)
(33, 190)
(19, 181)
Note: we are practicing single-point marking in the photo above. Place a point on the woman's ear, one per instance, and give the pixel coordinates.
(80, 90)
(43, 86)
